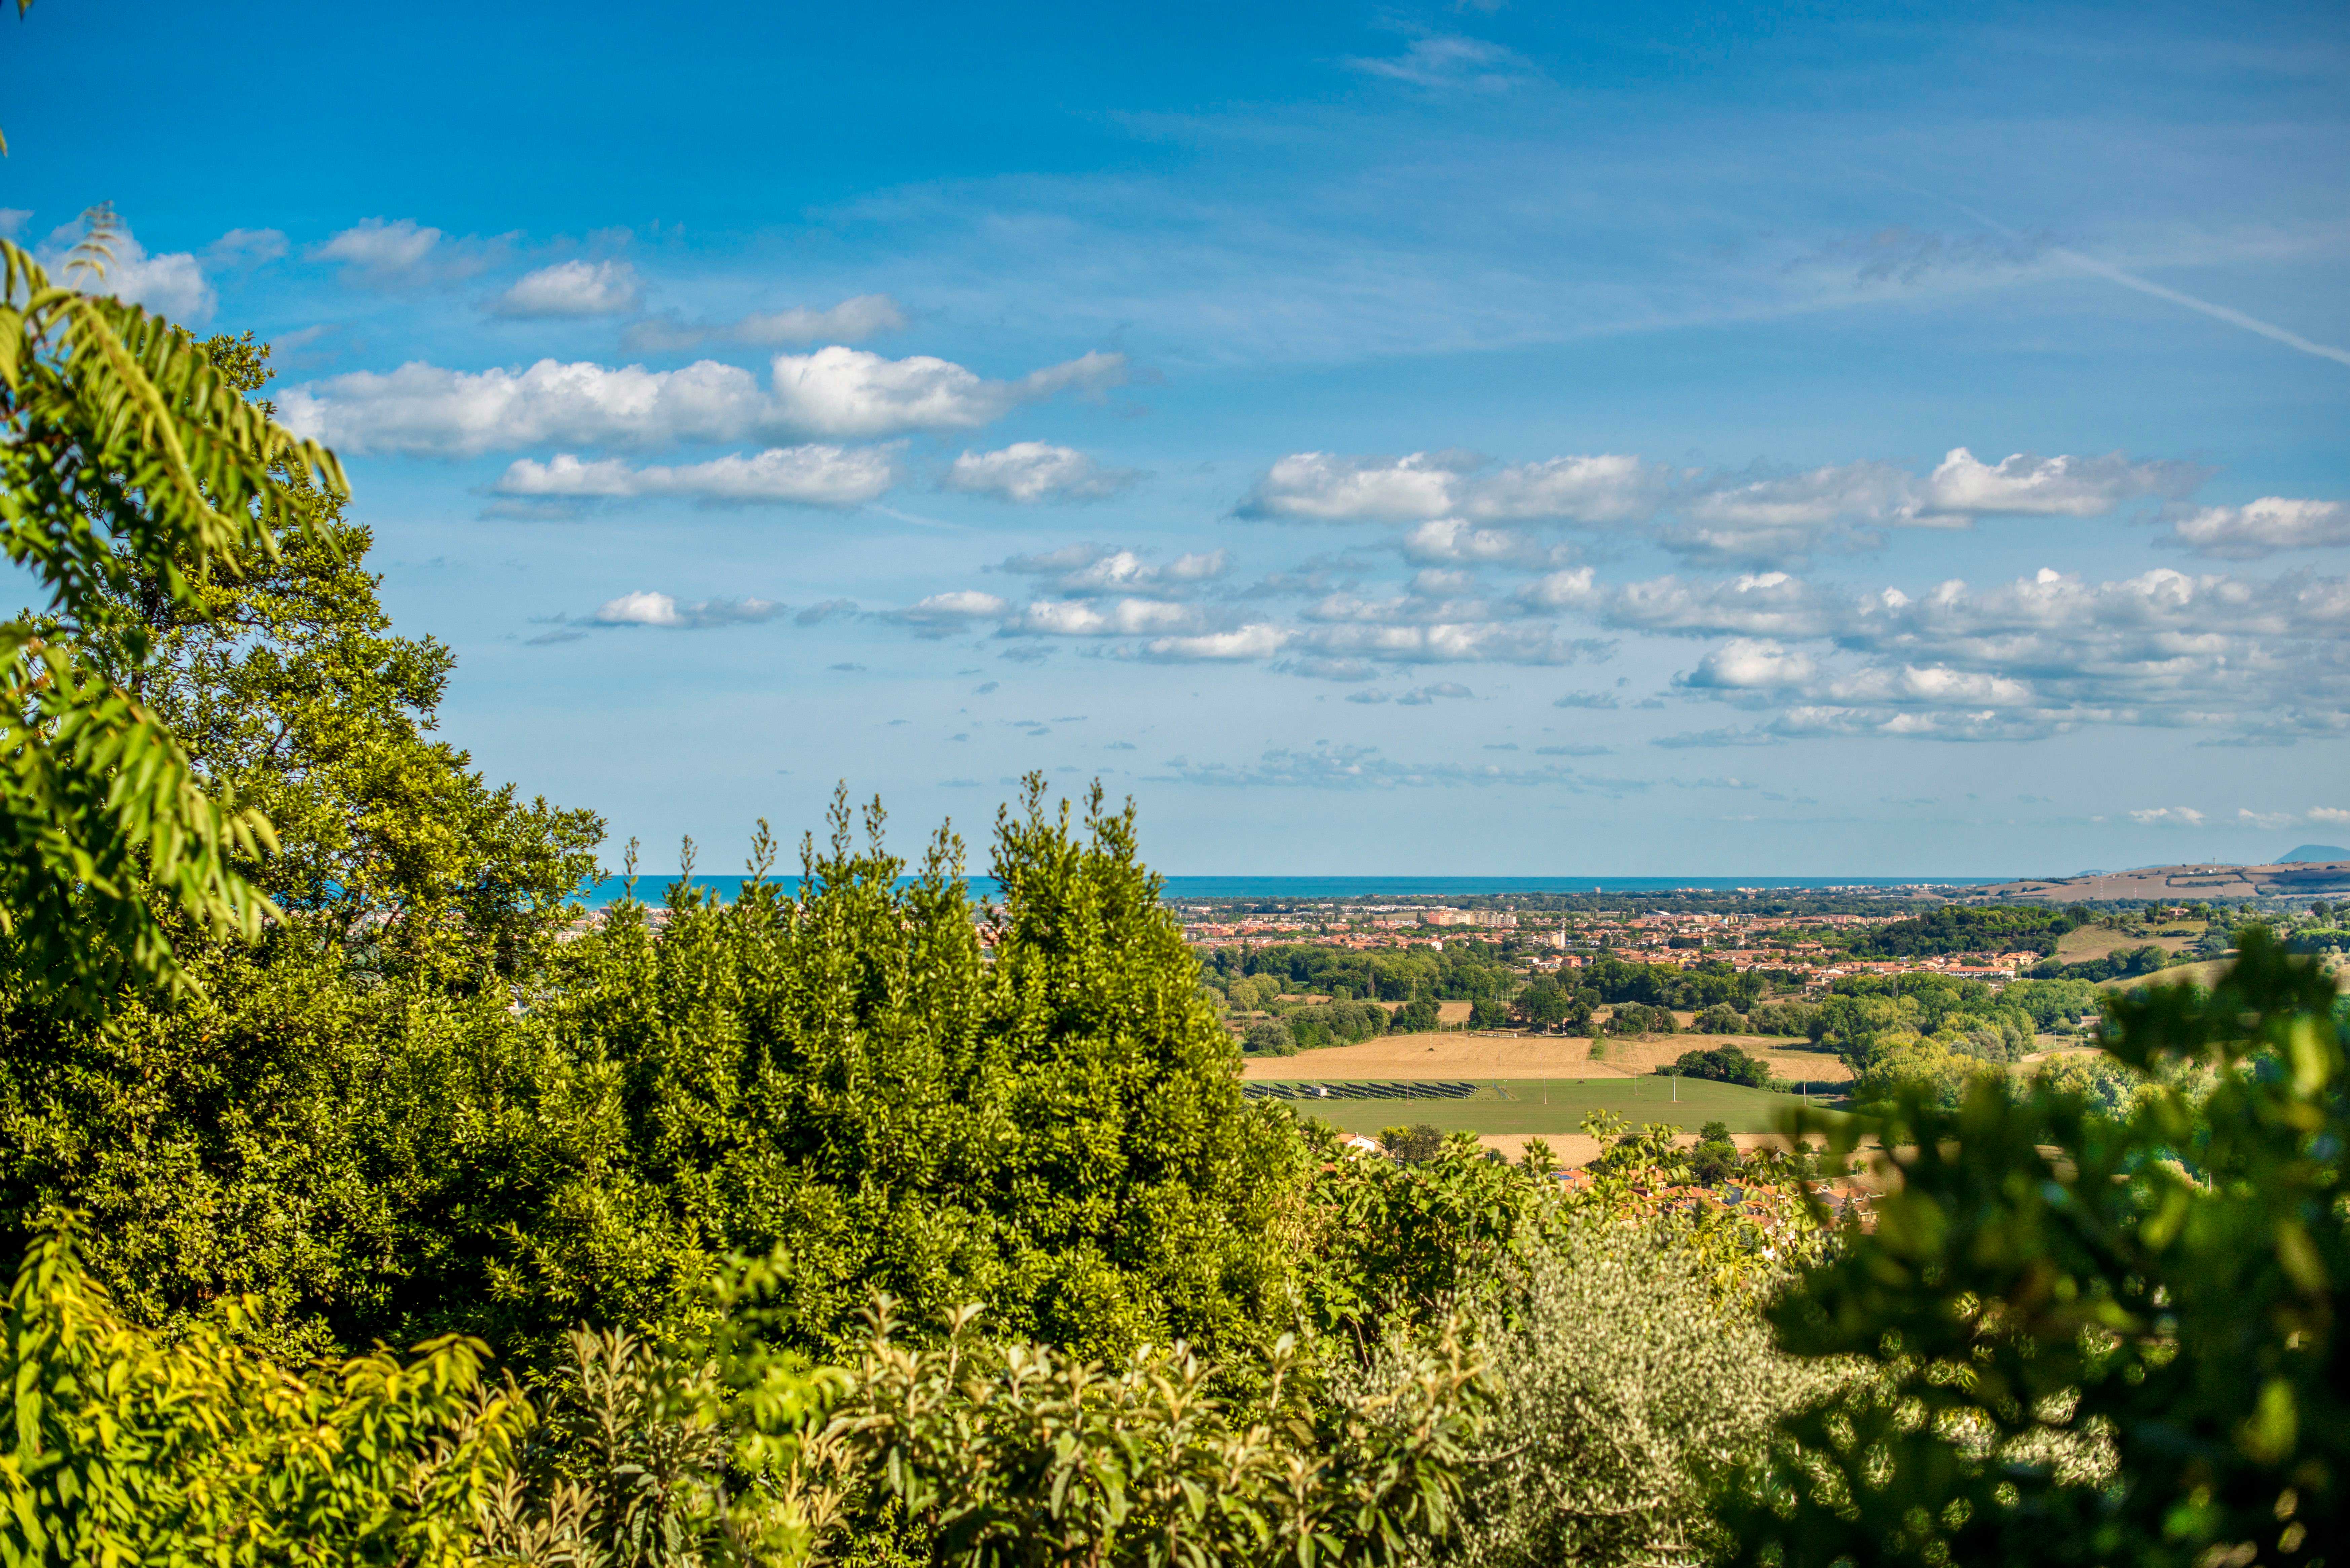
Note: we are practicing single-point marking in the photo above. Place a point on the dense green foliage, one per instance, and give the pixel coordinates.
(1016, 1455)
(128, 1447)
(2131, 1350)
(1337, 1023)
(1547, 1004)
(277, 671)
(123, 453)
(1460, 972)
(1050, 1124)
(2119, 964)
(1631, 1018)
(1268, 1037)
(1661, 985)
(1966, 928)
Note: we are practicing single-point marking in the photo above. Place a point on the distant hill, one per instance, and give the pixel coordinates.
(2306, 875)
(2302, 852)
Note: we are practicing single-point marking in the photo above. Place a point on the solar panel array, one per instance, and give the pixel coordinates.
(1385, 1089)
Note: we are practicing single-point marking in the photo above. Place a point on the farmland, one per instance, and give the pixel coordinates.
(1458, 1054)
(1556, 1107)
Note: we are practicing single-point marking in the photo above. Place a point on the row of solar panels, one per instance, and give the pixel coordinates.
(1389, 1090)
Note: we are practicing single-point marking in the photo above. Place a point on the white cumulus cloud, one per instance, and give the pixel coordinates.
(2050, 487)
(1324, 487)
(1102, 618)
(571, 288)
(1087, 570)
(171, 285)
(2263, 527)
(2168, 817)
(1257, 641)
(1744, 664)
(1456, 540)
(426, 410)
(951, 610)
(1034, 471)
(1782, 519)
(840, 391)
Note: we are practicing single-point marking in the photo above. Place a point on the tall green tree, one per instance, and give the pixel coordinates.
(284, 1122)
(856, 1077)
(1034, 1107)
(280, 673)
(124, 455)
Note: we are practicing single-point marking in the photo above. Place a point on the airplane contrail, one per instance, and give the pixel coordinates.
(2218, 312)
(2113, 273)
(909, 517)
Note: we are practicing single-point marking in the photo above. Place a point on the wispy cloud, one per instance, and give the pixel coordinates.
(645, 607)
(812, 475)
(1329, 767)
(403, 253)
(850, 321)
(1449, 62)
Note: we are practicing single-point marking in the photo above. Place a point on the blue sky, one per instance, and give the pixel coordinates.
(1645, 439)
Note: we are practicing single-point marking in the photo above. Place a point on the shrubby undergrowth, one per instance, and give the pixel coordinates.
(1627, 1388)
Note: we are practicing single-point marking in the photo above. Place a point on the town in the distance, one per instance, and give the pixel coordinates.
(1399, 1020)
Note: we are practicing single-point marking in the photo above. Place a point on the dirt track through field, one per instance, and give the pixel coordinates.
(1455, 1055)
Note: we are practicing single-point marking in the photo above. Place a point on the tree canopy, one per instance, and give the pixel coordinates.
(124, 453)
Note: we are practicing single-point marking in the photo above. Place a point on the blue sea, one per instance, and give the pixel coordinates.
(1275, 889)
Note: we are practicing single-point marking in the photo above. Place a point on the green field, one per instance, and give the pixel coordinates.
(1636, 1100)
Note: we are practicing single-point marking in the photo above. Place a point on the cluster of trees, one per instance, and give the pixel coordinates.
(1724, 1065)
(1548, 1004)
(1932, 1030)
(1313, 1027)
(1660, 985)
(1716, 1158)
(1460, 972)
(1967, 929)
(684, 1222)
(1642, 999)
(2121, 963)
(1631, 1018)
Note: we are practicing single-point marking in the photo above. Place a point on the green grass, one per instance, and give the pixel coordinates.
(1636, 1100)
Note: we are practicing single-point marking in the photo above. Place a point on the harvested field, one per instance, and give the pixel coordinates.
(1453, 1053)
(2085, 943)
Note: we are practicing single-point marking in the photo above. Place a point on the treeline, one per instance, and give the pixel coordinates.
(1460, 972)
(1964, 929)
